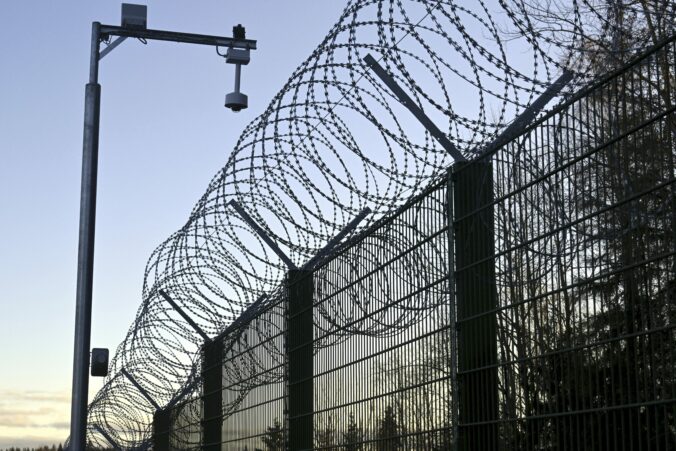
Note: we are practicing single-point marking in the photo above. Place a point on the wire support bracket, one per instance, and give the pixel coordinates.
(140, 389)
(523, 120)
(107, 436)
(185, 316)
(333, 242)
(413, 107)
(261, 233)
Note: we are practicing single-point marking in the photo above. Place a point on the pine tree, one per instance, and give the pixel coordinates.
(389, 432)
(274, 437)
(353, 438)
(326, 437)
(632, 222)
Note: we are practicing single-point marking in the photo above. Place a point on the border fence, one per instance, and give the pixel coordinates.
(526, 301)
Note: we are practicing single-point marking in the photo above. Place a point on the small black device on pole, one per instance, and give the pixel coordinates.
(99, 367)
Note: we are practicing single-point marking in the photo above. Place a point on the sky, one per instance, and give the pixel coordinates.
(164, 134)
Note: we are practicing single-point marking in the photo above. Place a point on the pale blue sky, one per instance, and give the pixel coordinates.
(164, 134)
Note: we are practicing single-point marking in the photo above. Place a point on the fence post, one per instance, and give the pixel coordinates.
(212, 395)
(161, 430)
(299, 346)
(476, 301)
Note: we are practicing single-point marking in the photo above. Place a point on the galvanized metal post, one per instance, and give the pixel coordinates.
(161, 430)
(85, 263)
(476, 302)
(212, 395)
(452, 308)
(85, 267)
(299, 344)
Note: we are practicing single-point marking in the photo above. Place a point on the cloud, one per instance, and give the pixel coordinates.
(21, 417)
(60, 425)
(32, 409)
(24, 421)
(34, 395)
(14, 420)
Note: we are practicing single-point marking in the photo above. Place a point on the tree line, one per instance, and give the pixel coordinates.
(53, 447)
(390, 434)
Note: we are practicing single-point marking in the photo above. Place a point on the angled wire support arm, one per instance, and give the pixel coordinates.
(140, 389)
(524, 119)
(107, 436)
(413, 107)
(261, 233)
(333, 242)
(184, 315)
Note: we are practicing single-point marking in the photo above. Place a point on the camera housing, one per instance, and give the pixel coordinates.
(236, 101)
(99, 362)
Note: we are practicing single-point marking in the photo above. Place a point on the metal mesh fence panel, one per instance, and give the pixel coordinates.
(525, 301)
(382, 335)
(253, 394)
(585, 275)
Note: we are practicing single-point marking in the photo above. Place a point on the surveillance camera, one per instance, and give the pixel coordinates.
(236, 101)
